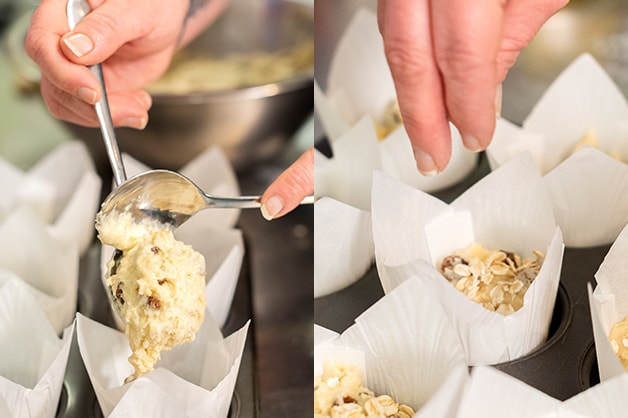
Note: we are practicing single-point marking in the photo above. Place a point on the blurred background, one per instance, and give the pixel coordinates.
(599, 27)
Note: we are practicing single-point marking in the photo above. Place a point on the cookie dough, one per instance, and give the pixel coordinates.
(618, 337)
(590, 139)
(390, 120)
(339, 393)
(157, 286)
(497, 280)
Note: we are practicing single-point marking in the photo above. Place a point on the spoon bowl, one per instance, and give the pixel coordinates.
(169, 197)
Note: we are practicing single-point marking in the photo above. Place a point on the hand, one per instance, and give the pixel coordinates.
(287, 191)
(134, 41)
(448, 59)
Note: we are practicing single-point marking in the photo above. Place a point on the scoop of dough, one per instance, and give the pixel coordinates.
(157, 285)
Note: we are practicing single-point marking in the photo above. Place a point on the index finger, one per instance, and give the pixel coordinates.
(48, 24)
(287, 191)
(467, 36)
(405, 27)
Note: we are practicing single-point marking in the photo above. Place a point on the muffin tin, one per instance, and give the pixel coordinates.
(279, 336)
(561, 367)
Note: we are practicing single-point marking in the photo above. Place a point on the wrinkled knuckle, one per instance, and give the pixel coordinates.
(48, 97)
(34, 45)
(55, 107)
(103, 28)
(301, 182)
(405, 62)
(457, 63)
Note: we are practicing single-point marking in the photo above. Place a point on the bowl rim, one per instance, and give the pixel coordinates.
(297, 83)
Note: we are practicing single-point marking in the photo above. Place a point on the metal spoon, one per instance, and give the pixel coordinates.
(170, 197)
(76, 10)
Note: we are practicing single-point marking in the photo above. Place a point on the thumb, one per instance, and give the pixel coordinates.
(102, 32)
(287, 191)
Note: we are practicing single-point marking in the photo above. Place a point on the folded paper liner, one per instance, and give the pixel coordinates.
(197, 379)
(343, 248)
(582, 100)
(508, 209)
(47, 264)
(491, 393)
(607, 399)
(494, 394)
(62, 188)
(406, 348)
(34, 357)
(609, 304)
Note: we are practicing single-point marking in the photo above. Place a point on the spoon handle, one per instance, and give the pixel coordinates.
(242, 202)
(76, 10)
(106, 127)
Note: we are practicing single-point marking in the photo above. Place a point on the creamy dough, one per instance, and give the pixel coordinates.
(339, 393)
(157, 285)
(390, 120)
(590, 139)
(618, 337)
(497, 280)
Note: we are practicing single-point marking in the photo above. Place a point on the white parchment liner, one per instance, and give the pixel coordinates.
(495, 394)
(209, 232)
(34, 358)
(48, 265)
(62, 188)
(406, 347)
(196, 379)
(343, 248)
(609, 304)
(508, 209)
(360, 86)
(607, 399)
(587, 187)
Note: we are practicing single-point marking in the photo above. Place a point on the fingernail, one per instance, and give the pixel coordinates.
(425, 163)
(87, 95)
(271, 207)
(471, 143)
(135, 122)
(79, 43)
(146, 100)
(498, 101)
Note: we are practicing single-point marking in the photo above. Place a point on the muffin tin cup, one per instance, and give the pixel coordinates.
(562, 366)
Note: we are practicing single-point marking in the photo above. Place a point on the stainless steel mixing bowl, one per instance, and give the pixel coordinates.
(252, 124)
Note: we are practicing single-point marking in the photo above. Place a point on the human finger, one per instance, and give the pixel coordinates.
(289, 189)
(48, 23)
(405, 28)
(129, 109)
(467, 35)
(117, 23)
(522, 21)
